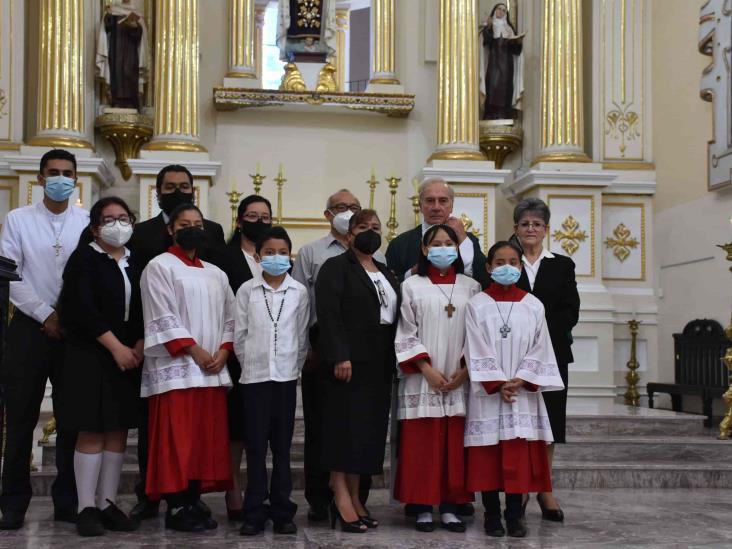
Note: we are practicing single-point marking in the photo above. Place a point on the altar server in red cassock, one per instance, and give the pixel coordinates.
(188, 310)
(432, 397)
(510, 359)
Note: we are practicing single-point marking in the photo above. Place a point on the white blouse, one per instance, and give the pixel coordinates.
(387, 297)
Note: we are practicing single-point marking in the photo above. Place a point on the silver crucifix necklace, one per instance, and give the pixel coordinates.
(57, 235)
(505, 329)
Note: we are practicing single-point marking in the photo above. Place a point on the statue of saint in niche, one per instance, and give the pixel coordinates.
(122, 53)
(306, 30)
(501, 63)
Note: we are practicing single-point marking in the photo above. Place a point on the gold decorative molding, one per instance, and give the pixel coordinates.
(3, 103)
(292, 79)
(395, 105)
(326, 79)
(497, 142)
(642, 242)
(622, 242)
(484, 198)
(570, 236)
(622, 123)
(127, 133)
(629, 165)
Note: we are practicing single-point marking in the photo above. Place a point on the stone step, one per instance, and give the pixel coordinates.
(635, 422)
(641, 449)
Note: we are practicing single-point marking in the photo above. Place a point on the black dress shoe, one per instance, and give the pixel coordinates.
(317, 514)
(493, 526)
(465, 510)
(287, 527)
(425, 526)
(89, 522)
(516, 528)
(183, 520)
(457, 527)
(114, 519)
(65, 515)
(554, 515)
(11, 521)
(144, 510)
(250, 529)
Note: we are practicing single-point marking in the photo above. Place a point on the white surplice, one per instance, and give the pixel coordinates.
(526, 354)
(183, 302)
(424, 327)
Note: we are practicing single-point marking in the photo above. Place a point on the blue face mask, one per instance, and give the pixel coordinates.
(275, 265)
(506, 275)
(442, 256)
(59, 187)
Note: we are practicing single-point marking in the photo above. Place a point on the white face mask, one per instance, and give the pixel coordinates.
(116, 235)
(340, 221)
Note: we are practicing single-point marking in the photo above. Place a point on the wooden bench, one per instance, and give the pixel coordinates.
(698, 367)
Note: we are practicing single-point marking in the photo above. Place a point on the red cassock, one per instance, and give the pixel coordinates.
(188, 432)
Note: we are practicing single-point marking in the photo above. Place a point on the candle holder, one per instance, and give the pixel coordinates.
(632, 397)
(725, 426)
(392, 224)
(234, 197)
(415, 202)
(257, 180)
(279, 181)
(372, 189)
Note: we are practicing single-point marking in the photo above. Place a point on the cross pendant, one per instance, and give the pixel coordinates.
(450, 308)
(504, 331)
(57, 247)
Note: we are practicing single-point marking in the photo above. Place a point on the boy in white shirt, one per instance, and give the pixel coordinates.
(271, 343)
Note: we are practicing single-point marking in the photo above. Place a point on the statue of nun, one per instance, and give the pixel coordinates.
(502, 66)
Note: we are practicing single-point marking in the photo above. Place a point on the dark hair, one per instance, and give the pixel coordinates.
(532, 205)
(95, 217)
(423, 263)
(176, 168)
(57, 154)
(497, 246)
(235, 239)
(508, 20)
(175, 214)
(277, 232)
(513, 239)
(361, 216)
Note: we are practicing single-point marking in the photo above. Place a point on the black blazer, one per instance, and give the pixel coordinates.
(348, 307)
(404, 251)
(236, 266)
(92, 299)
(556, 287)
(150, 239)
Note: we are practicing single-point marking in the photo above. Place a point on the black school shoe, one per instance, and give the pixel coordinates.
(145, 509)
(89, 522)
(251, 529)
(202, 511)
(428, 526)
(457, 527)
(12, 521)
(64, 515)
(517, 528)
(183, 520)
(114, 519)
(493, 526)
(286, 527)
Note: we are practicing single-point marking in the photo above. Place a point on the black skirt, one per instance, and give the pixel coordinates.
(95, 395)
(356, 414)
(234, 401)
(556, 407)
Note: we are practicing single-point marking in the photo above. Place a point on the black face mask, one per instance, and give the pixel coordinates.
(367, 242)
(170, 201)
(190, 238)
(253, 230)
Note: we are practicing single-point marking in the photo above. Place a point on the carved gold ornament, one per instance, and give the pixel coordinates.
(3, 103)
(308, 16)
(623, 124)
(468, 225)
(292, 80)
(326, 79)
(621, 242)
(570, 236)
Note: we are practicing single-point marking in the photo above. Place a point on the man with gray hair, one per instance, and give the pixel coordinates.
(339, 209)
(436, 200)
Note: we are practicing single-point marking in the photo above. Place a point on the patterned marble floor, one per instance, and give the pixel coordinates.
(602, 518)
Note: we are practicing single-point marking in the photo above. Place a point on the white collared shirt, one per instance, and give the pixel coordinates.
(122, 264)
(533, 269)
(28, 238)
(387, 297)
(466, 253)
(254, 333)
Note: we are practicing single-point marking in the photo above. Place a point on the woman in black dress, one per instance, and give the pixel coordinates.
(550, 277)
(101, 315)
(357, 302)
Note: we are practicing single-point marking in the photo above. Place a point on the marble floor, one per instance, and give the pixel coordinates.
(595, 518)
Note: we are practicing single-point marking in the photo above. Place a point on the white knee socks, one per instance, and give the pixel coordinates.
(86, 471)
(109, 478)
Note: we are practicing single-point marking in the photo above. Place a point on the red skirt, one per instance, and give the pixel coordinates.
(188, 440)
(431, 467)
(515, 466)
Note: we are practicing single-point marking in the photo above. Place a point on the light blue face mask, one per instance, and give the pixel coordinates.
(275, 265)
(59, 187)
(506, 275)
(442, 256)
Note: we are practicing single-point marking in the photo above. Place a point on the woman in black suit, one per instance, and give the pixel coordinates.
(550, 277)
(357, 302)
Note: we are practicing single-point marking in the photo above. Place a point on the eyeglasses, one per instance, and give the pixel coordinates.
(254, 217)
(124, 220)
(530, 225)
(341, 207)
(382, 293)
